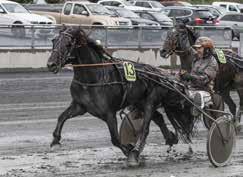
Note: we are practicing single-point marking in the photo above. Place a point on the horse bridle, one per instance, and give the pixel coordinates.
(173, 45)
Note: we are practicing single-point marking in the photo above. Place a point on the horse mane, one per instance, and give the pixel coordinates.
(192, 36)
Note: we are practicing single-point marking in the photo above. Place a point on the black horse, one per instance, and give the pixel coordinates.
(100, 88)
(230, 76)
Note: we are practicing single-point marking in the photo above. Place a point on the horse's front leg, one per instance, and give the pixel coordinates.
(73, 110)
(111, 122)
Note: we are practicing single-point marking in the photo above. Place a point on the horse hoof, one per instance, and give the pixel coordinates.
(132, 160)
(173, 139)
(237, 127)
(55, 143)
(190, 151)
(169, 149)
(55, 147)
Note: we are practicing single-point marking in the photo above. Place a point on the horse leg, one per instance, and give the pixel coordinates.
(111, 122)
(73, 110)
(170, 137)
(228, 100)
(239, 111)
(133, 156)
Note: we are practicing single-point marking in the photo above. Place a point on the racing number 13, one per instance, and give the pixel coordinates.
(130, 72)
(130, 69)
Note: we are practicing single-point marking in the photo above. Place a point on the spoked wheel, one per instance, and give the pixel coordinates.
(130, 128)
(221, 142)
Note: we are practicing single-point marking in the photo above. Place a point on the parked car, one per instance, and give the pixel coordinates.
(135, 18)
(83, 13)
(215, 10)
(230, 6)
(194, 16)
(162, 19)
(175, 3)
(120, 3)
(150, 5)
(14, 14)
(234, 20)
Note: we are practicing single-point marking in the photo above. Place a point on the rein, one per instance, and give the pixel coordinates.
(91, 65)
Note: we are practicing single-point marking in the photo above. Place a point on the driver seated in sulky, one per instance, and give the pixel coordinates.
(203, 73)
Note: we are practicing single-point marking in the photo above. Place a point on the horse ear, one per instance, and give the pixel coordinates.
(63, 28)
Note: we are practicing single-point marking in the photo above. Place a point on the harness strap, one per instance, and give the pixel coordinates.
(91, 65)
(97, 84)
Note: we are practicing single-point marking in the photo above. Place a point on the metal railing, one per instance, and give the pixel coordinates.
(39, 37)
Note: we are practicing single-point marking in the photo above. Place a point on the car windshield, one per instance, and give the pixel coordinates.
(222, 10)
(165, 11)
(161, 17)
(127, 3)
(14, 8)
(98, 9)
(127, 13)
(204, 14)
(156, 4)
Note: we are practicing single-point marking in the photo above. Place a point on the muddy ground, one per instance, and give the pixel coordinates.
(29, 106)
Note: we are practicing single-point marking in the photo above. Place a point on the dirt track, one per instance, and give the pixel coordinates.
(29, 106)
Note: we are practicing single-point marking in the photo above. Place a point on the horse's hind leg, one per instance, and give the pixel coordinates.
(73, 110)
(240, 110)
(170, 137)
(133, 156)
(228, 100)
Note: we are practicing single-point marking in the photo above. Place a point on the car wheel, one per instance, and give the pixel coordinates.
(18, 31)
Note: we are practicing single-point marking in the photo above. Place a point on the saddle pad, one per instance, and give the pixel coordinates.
(129, 70)
(221, 56)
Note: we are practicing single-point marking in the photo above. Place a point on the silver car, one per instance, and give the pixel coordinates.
(234, 20)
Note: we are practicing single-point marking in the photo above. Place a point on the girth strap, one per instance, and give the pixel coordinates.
(96, 84)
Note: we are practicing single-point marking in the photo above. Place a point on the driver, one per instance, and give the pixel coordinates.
(203, 73)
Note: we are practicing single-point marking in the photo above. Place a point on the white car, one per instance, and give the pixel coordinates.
(14, 14)
(233, 20)
(120, 3)
(150, 5)
(230, 6)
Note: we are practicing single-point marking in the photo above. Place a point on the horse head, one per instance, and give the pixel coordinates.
(64, 46)
(178, 40)
(170, 44)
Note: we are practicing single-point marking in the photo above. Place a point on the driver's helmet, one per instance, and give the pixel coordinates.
(204, 42)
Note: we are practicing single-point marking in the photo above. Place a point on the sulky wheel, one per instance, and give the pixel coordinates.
(221, 142)
(130, 128)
